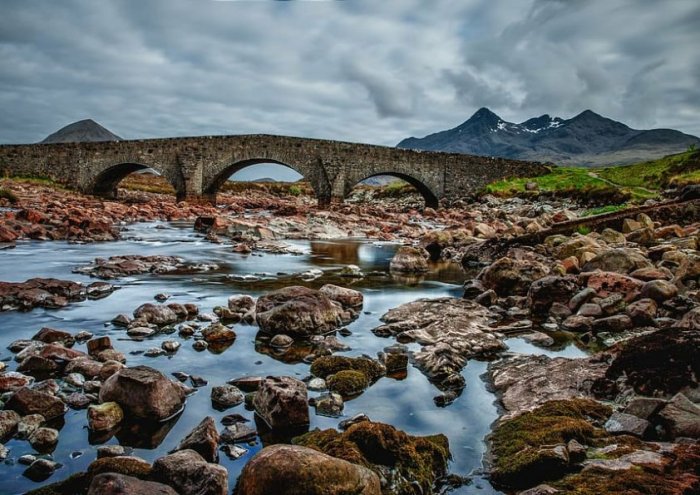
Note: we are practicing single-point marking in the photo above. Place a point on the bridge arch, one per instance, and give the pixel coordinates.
(104, 183)
(431, 199)
(211, 187)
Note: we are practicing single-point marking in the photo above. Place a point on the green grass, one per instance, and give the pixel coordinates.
(8, 195)
(603, 209)
(633, 183)
(559, 179)
(683, 168)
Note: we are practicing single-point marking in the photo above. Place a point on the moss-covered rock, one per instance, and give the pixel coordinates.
(525, 447)
(400, 458)
(348, 383)
(330, 365)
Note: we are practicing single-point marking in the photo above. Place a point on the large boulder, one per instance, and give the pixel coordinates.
(409, 259)
(296, 470)
(189, 474)
(143, 392)
(282, 402)
(509, 276)
(297, 311)
(121, 484)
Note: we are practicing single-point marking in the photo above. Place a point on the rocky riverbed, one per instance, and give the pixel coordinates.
(254, 348)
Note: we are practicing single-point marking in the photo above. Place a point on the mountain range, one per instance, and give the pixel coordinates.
(588, 139)
(81, 131)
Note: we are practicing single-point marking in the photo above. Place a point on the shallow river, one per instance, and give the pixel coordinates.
(406, 404)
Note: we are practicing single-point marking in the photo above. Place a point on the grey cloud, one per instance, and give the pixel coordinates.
(359, 71)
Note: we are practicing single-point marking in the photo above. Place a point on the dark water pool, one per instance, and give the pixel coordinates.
(406, 403)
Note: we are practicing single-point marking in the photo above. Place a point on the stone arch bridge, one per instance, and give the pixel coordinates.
(198, 166)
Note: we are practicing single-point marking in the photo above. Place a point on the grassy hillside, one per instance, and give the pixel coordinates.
(611, 185)
(679, 169)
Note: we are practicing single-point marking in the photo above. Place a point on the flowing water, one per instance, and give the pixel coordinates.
(406, 404)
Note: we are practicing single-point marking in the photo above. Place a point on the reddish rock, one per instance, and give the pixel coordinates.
(659, 290)
(57, 352)
(218, 333)
(11, 381)
(607, 283)
(98, 344)
(51, 335)
(642, 312)
(27, 401)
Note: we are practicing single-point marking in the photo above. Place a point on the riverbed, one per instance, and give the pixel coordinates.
(406, 403)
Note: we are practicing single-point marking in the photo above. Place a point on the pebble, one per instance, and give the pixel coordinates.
(233, 452)
(199, 345)
(170, 345)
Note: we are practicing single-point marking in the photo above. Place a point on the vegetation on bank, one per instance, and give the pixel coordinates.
(8, 195)
(672, 170)
(160, 185)
(611, 186)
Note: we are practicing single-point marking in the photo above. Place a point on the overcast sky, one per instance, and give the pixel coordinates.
(366, 71)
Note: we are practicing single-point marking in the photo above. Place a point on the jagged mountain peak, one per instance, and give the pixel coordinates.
(585, 139)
